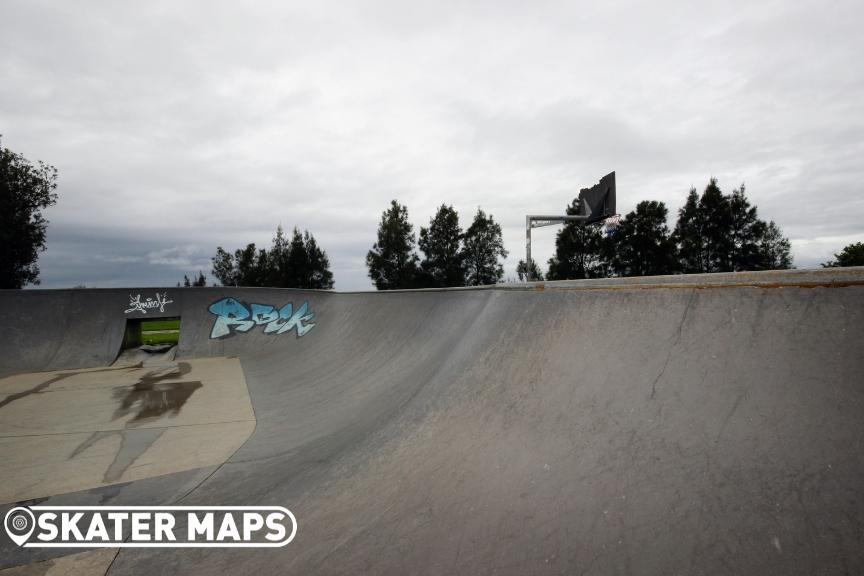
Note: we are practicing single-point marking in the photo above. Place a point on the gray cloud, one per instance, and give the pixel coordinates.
(179, 128)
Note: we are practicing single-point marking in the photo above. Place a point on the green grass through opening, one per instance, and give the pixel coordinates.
(160, 331)
(150, 325)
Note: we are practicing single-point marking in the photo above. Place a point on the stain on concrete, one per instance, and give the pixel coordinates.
(42, 386)
(133, 443)
(155, 394)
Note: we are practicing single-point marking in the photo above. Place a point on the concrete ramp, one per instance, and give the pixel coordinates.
(676, 425)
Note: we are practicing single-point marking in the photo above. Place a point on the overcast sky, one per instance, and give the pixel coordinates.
(180, 126)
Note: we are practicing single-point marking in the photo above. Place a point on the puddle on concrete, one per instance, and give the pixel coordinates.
(155, 395)
(85, 428)
(157, 392)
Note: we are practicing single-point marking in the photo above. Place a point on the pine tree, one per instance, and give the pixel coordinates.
(746, 233)
(717, 233)
(196, 281)
(688, 235)
(774, 249)
(715, 215)
(262, 269)
(392, 262)
(579, 250)
(246, 264)
(482, 246)
(277, 260)
(298, 263)
(298, 271)
(320, 277)
(522, 271)
(642, 245)
(441, 245)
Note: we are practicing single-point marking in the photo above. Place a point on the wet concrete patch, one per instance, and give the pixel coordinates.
(73, 430)
(43, 386)
(132, 445)
(157, 393)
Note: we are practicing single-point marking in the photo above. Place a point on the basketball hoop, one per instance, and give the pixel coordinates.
(610, 224)
(595, 204)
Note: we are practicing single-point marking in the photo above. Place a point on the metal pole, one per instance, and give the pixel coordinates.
(528, 248)
(535, 220)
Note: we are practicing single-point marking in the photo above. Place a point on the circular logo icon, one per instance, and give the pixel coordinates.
(19, 524)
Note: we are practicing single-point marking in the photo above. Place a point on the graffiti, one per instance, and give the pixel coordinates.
(233, 316)
(136, 305)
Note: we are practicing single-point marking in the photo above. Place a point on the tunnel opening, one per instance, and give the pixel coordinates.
(161, 333)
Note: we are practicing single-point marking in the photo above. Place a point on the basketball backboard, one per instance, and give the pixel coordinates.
(600, 198)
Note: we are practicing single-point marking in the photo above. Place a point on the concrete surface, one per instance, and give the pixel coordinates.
(693, 425)
(79, 429)
(80, 564)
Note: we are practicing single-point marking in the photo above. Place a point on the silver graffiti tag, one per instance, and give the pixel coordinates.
(136, 305)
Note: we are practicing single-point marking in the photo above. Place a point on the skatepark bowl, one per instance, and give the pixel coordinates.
(706, 424)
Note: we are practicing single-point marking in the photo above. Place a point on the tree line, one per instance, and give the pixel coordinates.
(714, 232)
(198, 281)
(851, 255)
(294, 263)
(451, 257)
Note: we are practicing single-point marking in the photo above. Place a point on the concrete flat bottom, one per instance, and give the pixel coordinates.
(73, 430)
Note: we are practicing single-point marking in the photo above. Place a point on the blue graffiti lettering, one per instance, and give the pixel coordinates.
(233, 316)
(264, 314)
(287, 320)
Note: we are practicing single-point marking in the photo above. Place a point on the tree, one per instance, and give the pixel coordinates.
(688, 235)
(303, 263)
(715, 218)
(223, 268)
(444, 261)
(392, 262)
(746, 233)
(320, 277)
(25, 190)
(774, 248)
(717, 233)
(277, 260)
(298, 263)
(482, 246)
(196, 281)
(262, 269)
(642, 245)
(247, 266)
(522, 271)
(703, 233)
(297, 270)
(579, 250)
(851, 255)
